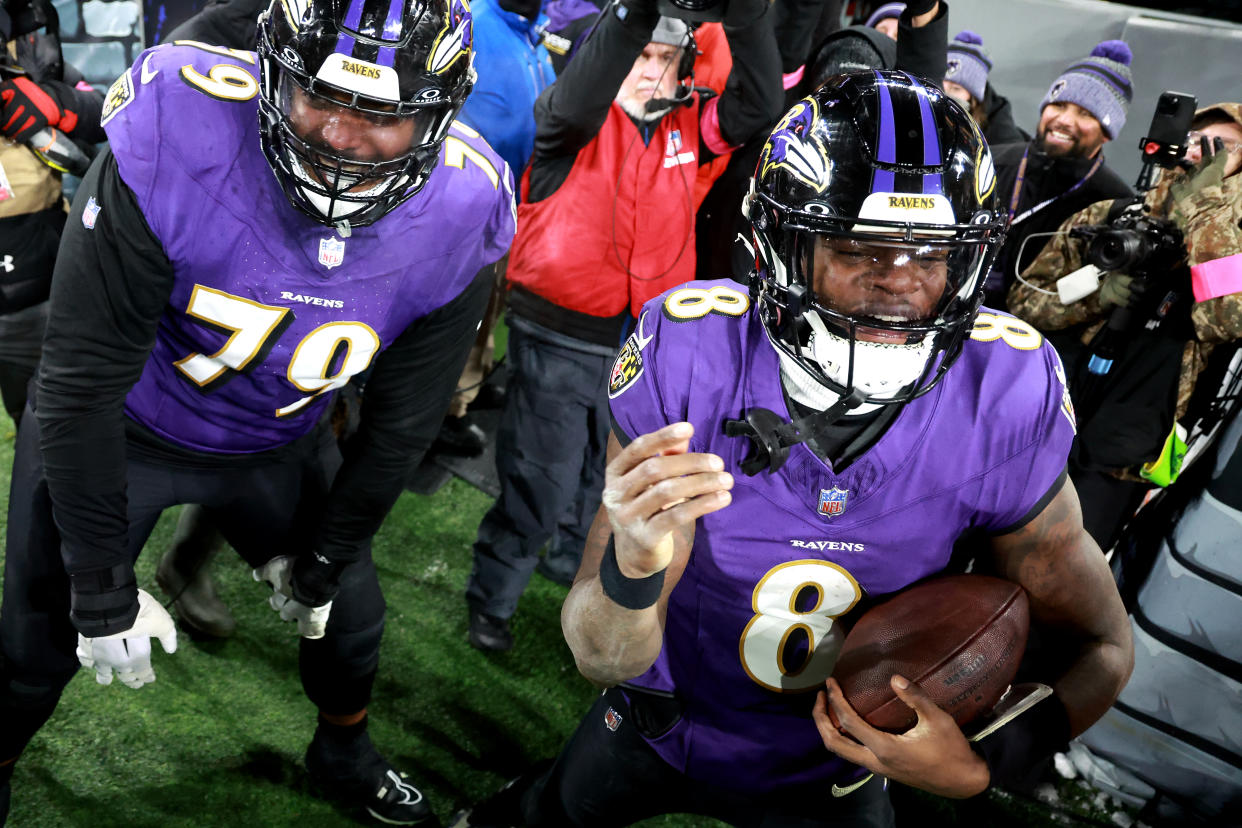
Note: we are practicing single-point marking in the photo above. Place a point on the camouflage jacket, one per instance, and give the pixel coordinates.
(1210, 224)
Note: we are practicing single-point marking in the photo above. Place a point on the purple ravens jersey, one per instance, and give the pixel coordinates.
(752, 628)
(272, 311)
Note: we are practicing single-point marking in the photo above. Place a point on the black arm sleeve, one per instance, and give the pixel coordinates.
(924, 51)
(87, 104)
(753, 97)
(795, 22)
(110, 288)
(570, 112)
(403, 404)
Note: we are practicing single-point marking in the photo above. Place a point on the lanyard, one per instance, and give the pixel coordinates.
(1017, 188)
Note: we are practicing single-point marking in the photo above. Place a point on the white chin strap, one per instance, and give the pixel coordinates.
(881, 369)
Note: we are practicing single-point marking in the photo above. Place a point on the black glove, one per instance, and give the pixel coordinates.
(27, 107)
(917, 7)
(741, 13)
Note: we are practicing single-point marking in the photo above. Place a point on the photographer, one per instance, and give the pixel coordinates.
(1132, 381)
(606, 221)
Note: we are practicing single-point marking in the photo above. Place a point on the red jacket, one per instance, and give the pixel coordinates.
(620, 230)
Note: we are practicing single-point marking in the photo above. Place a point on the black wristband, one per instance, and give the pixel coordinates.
(1012, 752)
(631, 593)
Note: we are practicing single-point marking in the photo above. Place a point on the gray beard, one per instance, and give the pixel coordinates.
(638, 111)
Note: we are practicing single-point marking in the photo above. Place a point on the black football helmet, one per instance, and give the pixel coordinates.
(876, 170)
(389, 61)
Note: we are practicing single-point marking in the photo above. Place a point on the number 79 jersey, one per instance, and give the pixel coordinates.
(756, 621)
(272, 311)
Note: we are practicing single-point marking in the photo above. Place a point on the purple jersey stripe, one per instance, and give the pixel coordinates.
(931, 139)
(886, 149)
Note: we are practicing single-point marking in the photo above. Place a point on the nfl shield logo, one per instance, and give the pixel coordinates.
(832, 501)
(331, 252)
(612, 719)
(89, 213)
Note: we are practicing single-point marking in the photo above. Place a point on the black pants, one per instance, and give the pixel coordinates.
(606, 778)
(263, 511)
(550, 460)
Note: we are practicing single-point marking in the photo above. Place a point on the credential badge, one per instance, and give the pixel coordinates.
(331, 252)
(832, 501)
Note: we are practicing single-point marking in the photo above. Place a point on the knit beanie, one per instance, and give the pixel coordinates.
(968, 64)
(1100, 83)
(671, 32)
(884, 12)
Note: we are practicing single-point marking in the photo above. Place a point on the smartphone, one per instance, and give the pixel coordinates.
(1165, 142)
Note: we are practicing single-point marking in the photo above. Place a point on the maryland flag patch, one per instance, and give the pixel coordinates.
(120, 93)
(627, 369)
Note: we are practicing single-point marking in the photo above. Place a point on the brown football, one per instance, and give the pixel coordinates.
(959, 637)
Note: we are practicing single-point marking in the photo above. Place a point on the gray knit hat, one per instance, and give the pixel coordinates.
(1099, 83)
(671, 32)
(884, 12)
(968, 64)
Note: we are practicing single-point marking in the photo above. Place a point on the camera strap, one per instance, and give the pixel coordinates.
(1021, 179)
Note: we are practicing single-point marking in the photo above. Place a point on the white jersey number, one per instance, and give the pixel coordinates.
(797, 603)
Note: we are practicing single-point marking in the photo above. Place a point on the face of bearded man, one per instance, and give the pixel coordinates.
(654, 75)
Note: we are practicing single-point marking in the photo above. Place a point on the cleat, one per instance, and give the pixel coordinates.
(195, 598)
(367, 781)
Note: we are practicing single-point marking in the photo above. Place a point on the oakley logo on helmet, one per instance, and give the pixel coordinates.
(455, 40)
(792, 146)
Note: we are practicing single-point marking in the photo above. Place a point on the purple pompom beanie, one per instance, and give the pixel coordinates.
(1100, 84)
(884, 12)
(968, 64)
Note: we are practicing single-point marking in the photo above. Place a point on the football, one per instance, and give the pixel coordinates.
(959, 637)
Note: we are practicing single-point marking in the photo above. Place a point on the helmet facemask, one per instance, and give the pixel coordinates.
(356, 138)
(879, 308)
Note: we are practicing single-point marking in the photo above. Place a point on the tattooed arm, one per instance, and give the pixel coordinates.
(1072, 593)
(654, 491)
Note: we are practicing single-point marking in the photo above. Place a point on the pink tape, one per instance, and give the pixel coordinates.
(790, 79)
(1219, 277)
(709, 129)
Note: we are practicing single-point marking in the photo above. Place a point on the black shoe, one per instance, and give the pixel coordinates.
(491, 395)
(364, 779)
(487, 632)
(459, 436)
(554, 570)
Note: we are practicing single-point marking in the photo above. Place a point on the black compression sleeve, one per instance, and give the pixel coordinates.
(753, 95)
(109, 289)
(570, 112)
(403, 404)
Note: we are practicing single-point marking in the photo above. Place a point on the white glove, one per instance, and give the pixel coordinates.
(129, 652)
(311, 620)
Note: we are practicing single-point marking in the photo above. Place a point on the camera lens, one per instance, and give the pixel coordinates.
(1116, 249)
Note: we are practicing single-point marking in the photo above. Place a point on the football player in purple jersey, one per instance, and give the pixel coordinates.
(782, 457)
(205, 312)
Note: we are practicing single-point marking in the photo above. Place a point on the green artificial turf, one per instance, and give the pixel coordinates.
(218, 739)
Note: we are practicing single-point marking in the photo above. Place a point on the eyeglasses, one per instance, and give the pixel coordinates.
(1194, 137)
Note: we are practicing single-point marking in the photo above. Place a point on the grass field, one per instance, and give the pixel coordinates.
(218, 739)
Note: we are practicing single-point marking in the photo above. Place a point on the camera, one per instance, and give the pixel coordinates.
(693, 11)
(1133, 243)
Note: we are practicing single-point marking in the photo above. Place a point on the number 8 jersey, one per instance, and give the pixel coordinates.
(755, 622)
(270, 310)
